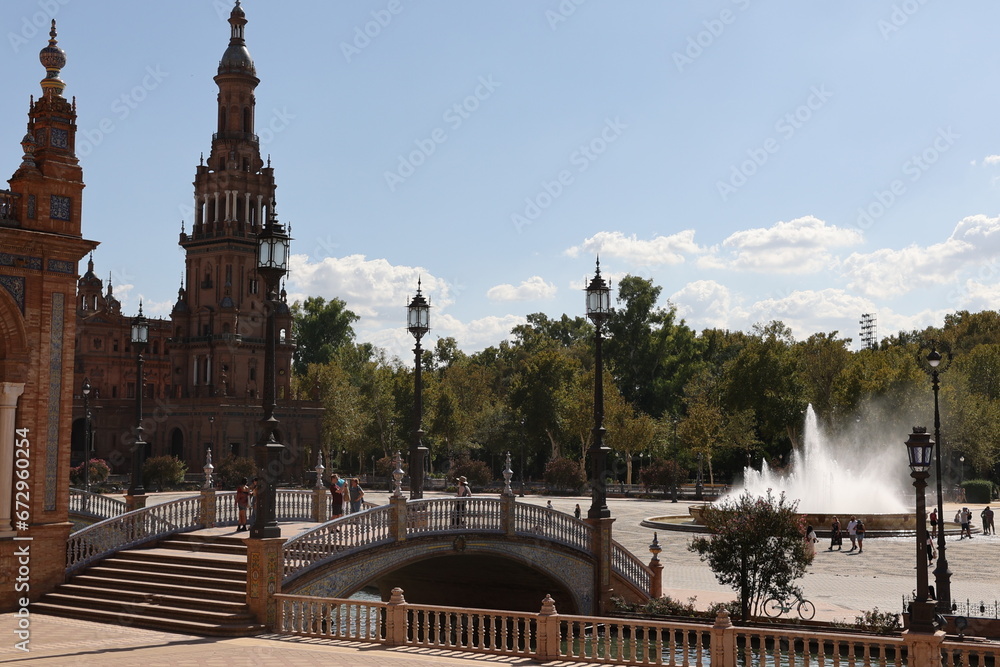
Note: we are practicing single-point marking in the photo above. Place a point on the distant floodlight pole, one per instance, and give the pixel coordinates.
(942, 575)
(417, 323)
(140, 338)
(919, 448)
(598, 310)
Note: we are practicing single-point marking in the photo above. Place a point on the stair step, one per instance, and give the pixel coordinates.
(233, 628)
(205, 543)
(168, 578)
(148, 562)
(193, 598)
(189, 588)
(201, 558)
(144, 607)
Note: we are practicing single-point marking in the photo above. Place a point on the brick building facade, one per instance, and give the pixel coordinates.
(204, 365)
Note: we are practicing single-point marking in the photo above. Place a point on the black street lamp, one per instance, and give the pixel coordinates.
(418, 318)
(87, 443)
(942, 575)
(272, 264)
(140, 338)
(919, 447)
(598, 310)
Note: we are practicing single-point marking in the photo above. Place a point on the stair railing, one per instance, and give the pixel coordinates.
(131, 529)
(94, 504)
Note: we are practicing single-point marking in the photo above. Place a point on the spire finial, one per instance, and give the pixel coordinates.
(90, 263)
(53, 59)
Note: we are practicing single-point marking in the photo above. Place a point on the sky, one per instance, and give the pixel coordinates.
(802, 162)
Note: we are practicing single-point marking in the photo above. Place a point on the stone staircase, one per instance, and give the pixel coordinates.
(189, 583)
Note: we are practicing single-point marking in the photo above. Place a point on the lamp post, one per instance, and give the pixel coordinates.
(919, 447)
(272, 263)
(87, 445)
(961, 471)
(417, 323)
(942, 575)
(598, 310)
(140, 338)
(699, 486)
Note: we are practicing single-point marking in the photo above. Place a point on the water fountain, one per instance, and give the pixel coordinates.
(859, 477)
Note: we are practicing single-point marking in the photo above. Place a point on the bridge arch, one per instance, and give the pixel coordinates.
(463, 570)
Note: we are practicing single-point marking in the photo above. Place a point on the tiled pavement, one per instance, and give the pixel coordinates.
(841, 584)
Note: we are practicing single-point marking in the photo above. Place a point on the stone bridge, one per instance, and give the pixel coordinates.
(448, 550)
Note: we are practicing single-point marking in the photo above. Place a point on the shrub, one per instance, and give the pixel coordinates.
(880, 622)
(978, 490)
(232, 469)
(99, 472)
(564, 474)
(663, 474)
(477, 472)
(163, 471)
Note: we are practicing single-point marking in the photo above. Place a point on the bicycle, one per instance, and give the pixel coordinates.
(773, 608)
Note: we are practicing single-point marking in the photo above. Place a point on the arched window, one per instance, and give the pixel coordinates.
(222, 119)
(246, 119)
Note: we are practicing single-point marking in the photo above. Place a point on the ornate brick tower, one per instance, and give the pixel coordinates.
(217, 347)
(40, 246)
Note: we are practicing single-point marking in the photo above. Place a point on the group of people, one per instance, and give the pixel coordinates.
(855, 532)
(343, 492)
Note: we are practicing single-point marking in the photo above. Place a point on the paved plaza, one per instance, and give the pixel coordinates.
(841, 584)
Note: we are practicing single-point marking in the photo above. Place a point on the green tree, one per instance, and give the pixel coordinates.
(163, 472)
(232, 469)
(320, 328)
(756, 547)
(564, 475)
(650, 353)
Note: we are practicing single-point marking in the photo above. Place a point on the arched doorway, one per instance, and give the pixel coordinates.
(177, 444)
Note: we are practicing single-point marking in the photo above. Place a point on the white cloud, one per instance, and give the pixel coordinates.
(888, 273)
(532, 288)
(990, 160)
(799, 246)
(659, 250)
(371, 288)
(806, 312)
(708, 304)
(471, 336)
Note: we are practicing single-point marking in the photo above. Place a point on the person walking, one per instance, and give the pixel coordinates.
(859, 533)
(852, 532)
(576, 511)
(242, 500)
(931, 551)
(836, 537)
(355, 494)
(934, 522)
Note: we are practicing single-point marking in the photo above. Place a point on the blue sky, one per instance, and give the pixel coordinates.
(807, 162)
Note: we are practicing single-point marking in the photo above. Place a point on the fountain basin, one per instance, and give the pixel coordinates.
(821, 522)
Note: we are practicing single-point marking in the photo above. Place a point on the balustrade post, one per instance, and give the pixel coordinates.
(723, 641)
(320, 506)
(397, 520)
(656, 567)
(924, 648)
(208, 512)
(548, 631)
(265, 568)
(395, 619)
(508, 508)
(134, 502)
(600, 547)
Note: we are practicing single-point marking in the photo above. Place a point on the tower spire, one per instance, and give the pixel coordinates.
(53, 59)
